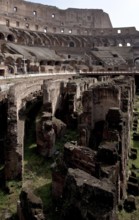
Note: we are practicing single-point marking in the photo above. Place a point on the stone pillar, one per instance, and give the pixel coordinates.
(13, 157)
(15, 68)
(46, 134)
(85, 119)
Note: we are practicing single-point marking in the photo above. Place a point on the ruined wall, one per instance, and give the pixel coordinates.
(97, 167)
(24, 14)
(17, 98)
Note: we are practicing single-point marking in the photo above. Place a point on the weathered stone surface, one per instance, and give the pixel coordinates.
(108, 153)
(59, 127)
(91, 197)
(76, 156)
(45, 136)
(30, 206)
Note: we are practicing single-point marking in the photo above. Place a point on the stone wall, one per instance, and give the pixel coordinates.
(17, 98)
(100, 155)
(34, 16)
(30, 206)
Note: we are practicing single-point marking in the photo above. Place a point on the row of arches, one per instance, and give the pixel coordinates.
(7, 37)
(20, 65)
(26, 37)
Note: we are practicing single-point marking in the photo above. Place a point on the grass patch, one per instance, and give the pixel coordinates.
(71, 135)
(37, 169)
(123, 215)
(37, 176)
(8, 202)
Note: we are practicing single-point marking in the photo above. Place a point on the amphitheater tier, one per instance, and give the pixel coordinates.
(34, 16)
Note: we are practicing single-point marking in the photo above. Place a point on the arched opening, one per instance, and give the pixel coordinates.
(43, 62)
(27, 25)
(96, 135)
(128, 44)
(9, 62)
(28, 38)
(15, 9)
(28, 113)
(21, 39)
(45, 30)
(19, 65)
(35, 13)
(136, 63)
(71, 44)
(10, 38)
(119, 31)
(2, 36)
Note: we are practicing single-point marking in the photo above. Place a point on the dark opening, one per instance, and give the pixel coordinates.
(115, 55)
(1, 36)
(10, 38)
(2, 72)
(71, 44)
(96, 135)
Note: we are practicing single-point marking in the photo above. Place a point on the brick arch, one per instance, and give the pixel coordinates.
(42, 37)
(136, 63)
(58, 43)
(30, 39)
(9, 62)
(19, 95)
(65, 40)
(18, 36)
(48, 40)
(37, 39)
(72, 43)
(10, 37)
(76, 41)
(135, 59)
(62, 41)
(2, 36)
(85, 41)
(54, 40)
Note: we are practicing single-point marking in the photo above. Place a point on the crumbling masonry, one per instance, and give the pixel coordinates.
(90, 178)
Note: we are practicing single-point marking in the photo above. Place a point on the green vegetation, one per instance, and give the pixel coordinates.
(8, 201)
(123, 215)
(71, 135)
(37, 175)
(37, 170)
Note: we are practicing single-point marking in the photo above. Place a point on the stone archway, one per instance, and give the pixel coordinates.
(10, 62)
(2, 37)
(136, 63)
(19, 95)
(10, 38)
(71, 44)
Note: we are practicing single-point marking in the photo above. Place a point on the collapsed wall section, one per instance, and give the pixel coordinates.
(97, 161)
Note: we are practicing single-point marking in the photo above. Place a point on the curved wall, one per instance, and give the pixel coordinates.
(34, 16)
